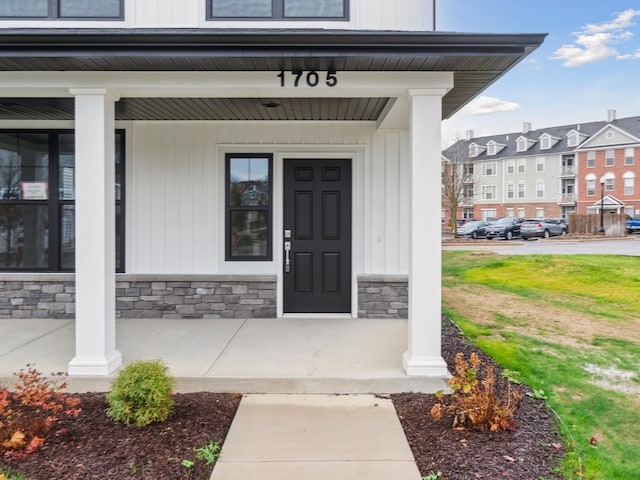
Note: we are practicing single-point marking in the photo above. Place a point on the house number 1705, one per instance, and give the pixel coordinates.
(309, 78)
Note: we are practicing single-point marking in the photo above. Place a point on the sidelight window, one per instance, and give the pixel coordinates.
(248, 207)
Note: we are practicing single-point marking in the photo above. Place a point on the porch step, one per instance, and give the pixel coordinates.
(279, 385)
(342, 437)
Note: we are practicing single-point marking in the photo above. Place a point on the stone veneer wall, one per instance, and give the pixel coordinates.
(383, 296)
(185, 296)
(144, 296)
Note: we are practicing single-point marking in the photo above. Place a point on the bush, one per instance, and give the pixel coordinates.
(35, 409)
(141, 394)
(475, 402)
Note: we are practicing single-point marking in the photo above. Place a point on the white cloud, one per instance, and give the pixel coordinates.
(622, 21)
(484, 105)
(595, 41)
(629, 55)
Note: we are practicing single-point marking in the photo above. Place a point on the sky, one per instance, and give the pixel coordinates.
(588, 64)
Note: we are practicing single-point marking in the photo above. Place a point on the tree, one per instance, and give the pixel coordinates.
(458, 180)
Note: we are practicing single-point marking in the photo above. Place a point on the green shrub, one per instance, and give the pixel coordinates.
(141, 394)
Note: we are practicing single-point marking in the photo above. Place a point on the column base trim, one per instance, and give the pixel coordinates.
(90, 366)
(425, 366)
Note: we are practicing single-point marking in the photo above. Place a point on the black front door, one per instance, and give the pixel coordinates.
(317, 236)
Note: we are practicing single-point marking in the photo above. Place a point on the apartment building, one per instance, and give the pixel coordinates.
(552, 171)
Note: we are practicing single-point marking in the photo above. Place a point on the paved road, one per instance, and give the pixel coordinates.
(617, 246)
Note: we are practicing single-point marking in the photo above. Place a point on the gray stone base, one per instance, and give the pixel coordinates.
(185, 296)
(383, 296)
(144, 296)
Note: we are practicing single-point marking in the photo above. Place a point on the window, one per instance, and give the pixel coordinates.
(37, 200)
(591, 159)
(467, 170)
(510, 191)
(278, 9)
(540, 164)
(609, 158)
(572, 139)
(521, 190)
(489, 169)
(510, 212)
(467, 192)
(522, 165)
(629, 178)
(539, 189)
(521, 212)
(511, 166)
(609, 183)
(545, 143)
(521, 145)
(539, 212)
(248, 206)
(591, 185)
(62, 9)
(628, 156)
(488, 213)
(488, 192)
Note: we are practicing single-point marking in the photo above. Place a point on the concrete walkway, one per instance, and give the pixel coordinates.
(316, 437)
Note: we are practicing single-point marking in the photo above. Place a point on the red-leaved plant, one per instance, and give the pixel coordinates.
(33, 410)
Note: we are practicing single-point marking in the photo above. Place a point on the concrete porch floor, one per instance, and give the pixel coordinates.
(284, 355)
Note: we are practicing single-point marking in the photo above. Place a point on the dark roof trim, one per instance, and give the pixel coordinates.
(247, 43)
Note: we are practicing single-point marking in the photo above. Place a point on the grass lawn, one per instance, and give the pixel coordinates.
(570, 326)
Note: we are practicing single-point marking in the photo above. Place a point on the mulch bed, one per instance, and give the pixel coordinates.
(526, 453)
(94, 447)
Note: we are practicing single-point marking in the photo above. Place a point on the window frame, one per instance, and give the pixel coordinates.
(277, 13)
(629, 159)
(609, 157)
(489, 192)
(53, 13)
(511, 191)
(591, 159)
(228, 209)
(55, 204)
(521, 190)
(540, 189)
(629, 184)
(490, 167)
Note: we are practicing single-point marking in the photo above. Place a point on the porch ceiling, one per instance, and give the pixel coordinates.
(365, 109)
(477, 60)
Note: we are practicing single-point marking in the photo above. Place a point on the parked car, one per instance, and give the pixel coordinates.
(633, 225)
(474, 229)
(506, 227)
(543, 227)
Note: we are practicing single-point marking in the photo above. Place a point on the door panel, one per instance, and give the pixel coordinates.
(317, 212)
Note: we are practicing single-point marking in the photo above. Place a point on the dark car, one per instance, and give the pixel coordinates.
(543, 227)
(507, 228)
(474, 229)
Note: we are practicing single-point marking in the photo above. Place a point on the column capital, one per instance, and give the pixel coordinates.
(111, 93)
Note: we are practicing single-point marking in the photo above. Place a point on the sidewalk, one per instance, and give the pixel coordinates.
(316, 437)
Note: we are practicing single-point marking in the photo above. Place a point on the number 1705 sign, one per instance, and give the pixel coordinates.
(309, 78)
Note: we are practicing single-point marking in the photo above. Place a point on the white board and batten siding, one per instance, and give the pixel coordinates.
(175, 191)
(403, 15)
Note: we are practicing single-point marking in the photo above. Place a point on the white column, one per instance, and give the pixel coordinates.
(423, 356)
(96, 352)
